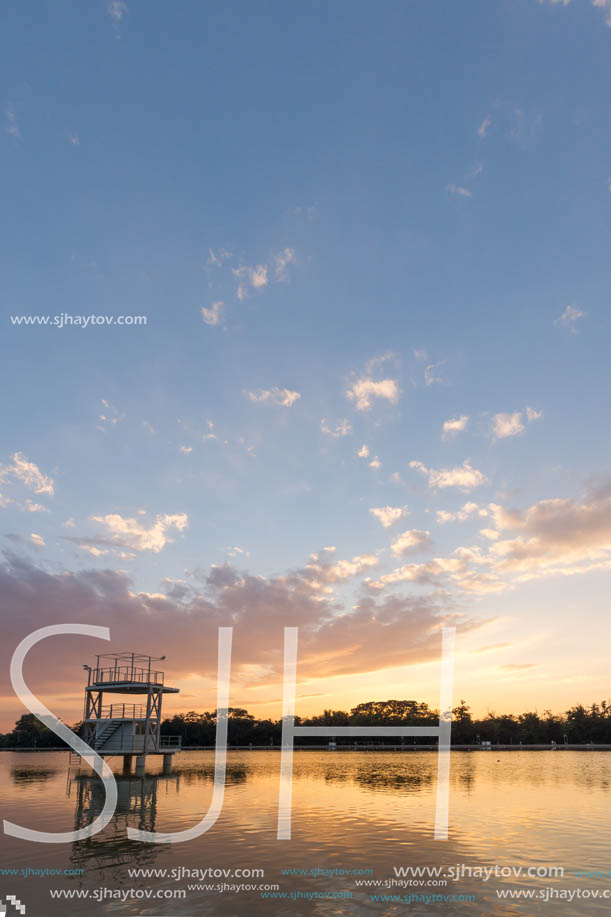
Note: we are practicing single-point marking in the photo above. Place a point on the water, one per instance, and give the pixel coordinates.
(351, 810)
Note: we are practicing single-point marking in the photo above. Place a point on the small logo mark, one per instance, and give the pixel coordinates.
(15, 902)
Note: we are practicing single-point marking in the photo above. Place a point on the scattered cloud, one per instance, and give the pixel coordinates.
(484, 127)
(465, 477)
(554, 537)
(533, 414)
(74, 139)
(388, 515)
(29, 474)
(186, 450)
(606, 6)
(336, 571)
(557, 535)
(253, 276)
(37, 540)
(342, 429)
(212, 316)
(455, 425)
(504, 425)
(132, 534)
(431, 376)
(282, 261)
(216, 259)
(458, 189)
(259, 276)
(284, 397)
(570, 317)
(32, 507)
(467, 511)
(365, 389)
(109, 417)
(375, 463)
(117, 11)
(411, 540)
(12, 128)
(363, 451)
(490, 534)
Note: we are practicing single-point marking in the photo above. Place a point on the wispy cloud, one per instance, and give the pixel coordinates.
(256, 277)
(365, 390)
(117, 11)
(212, 316)
(533, 414)
(29, 474)
(569, 318)
(484, 127)
(259, 276)
(344, 428)
(109, 417)
(460, 190)
(411, 540)
(338, 570)
(506, 425)
(284, 397)
(388, 515)
(131, 534)
(465, 477)
(216, 259)
(282, 261)
(604, 5)
(467, 511)
(12, 128)
(432, 376)
(454, 426)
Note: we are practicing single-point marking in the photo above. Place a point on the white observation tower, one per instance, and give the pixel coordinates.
(127, 728)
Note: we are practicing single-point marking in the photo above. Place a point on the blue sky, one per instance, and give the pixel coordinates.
(394, 217)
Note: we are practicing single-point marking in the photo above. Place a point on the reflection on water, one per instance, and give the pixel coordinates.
(367, 810)
(136, 805)
(31, 775)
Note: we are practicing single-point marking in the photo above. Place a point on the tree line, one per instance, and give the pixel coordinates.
(579, 724)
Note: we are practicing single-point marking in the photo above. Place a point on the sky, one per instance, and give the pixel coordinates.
(348, 363)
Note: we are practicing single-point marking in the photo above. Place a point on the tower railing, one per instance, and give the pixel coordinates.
(122, 712)
(124, 673)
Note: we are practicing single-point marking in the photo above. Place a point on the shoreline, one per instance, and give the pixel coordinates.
(350, 748)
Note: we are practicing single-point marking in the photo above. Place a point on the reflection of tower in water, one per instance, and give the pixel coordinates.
(136, 806)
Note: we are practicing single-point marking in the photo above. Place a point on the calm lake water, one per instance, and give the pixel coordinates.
(351, 811)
